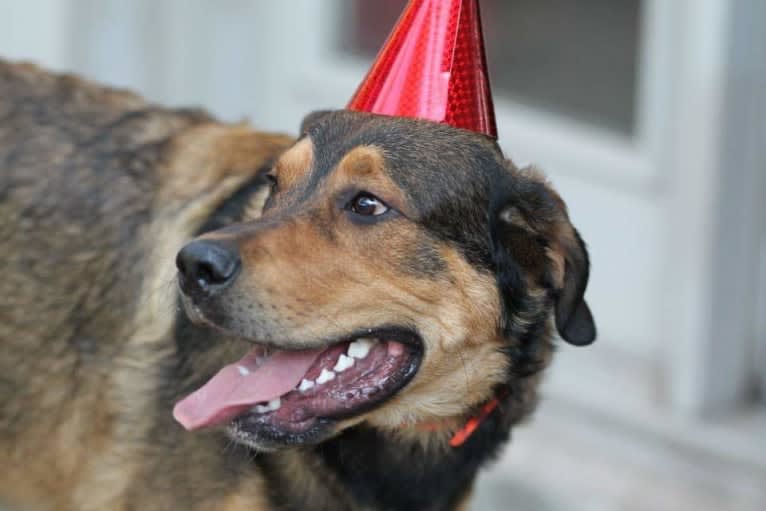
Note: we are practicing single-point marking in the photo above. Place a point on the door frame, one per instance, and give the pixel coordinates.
(715, 203)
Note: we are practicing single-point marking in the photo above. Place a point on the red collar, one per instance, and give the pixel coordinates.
(471, 425)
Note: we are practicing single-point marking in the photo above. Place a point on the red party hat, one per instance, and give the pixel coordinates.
(432, 67)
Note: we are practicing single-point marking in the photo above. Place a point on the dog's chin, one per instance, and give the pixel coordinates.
(346, 377)
(259, 434)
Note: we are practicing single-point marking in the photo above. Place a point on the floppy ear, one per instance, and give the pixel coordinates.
(574, 320)
(311, 119)
(533, 237)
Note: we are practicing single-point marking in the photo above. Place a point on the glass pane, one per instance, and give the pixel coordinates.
(574, 57)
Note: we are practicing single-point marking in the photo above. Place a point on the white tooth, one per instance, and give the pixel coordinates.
(244, 371)
(343, 363)
(361, 347)
(272, 405)
(305, 385)
(325, 376)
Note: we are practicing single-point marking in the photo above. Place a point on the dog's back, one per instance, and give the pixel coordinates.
(77, 183)
(90, 179)
(76, 189)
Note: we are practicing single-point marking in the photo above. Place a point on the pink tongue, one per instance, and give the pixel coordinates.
(230, 392)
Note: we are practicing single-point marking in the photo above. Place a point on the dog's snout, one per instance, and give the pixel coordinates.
(207, 265)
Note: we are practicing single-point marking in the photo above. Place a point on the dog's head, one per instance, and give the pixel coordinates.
(401, 272)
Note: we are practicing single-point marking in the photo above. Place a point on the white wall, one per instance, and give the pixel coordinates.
(36, 29)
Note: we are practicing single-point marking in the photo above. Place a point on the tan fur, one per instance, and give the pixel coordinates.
(459, 328)
(205, 165)
(292, 165)
(66, 438)
(364, 168)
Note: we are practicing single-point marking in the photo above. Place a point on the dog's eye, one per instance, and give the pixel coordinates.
(366, 204)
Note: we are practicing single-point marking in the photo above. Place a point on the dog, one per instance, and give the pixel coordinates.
(393, 284)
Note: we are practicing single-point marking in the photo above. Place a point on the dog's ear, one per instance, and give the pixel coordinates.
(312, 119)
(574, 320)
(534, 241)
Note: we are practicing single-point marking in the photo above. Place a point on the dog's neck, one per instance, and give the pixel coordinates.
(363, 468)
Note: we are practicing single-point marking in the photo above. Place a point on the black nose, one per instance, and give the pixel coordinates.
(207, 266)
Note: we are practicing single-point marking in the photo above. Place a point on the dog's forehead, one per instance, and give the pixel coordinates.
(429, 162)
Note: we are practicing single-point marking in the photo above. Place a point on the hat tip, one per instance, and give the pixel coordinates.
(433, 67)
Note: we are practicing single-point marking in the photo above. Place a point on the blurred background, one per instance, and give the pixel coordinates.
(650, 118)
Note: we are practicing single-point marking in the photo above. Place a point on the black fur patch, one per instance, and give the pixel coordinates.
(397, 476)
(233, 209)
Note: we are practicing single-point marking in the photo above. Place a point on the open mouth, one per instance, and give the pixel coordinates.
(280, 394)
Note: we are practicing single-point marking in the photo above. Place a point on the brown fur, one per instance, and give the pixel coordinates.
(98, 192)
(86, 310)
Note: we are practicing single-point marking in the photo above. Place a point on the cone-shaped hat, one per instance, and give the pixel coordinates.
(433, 67)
